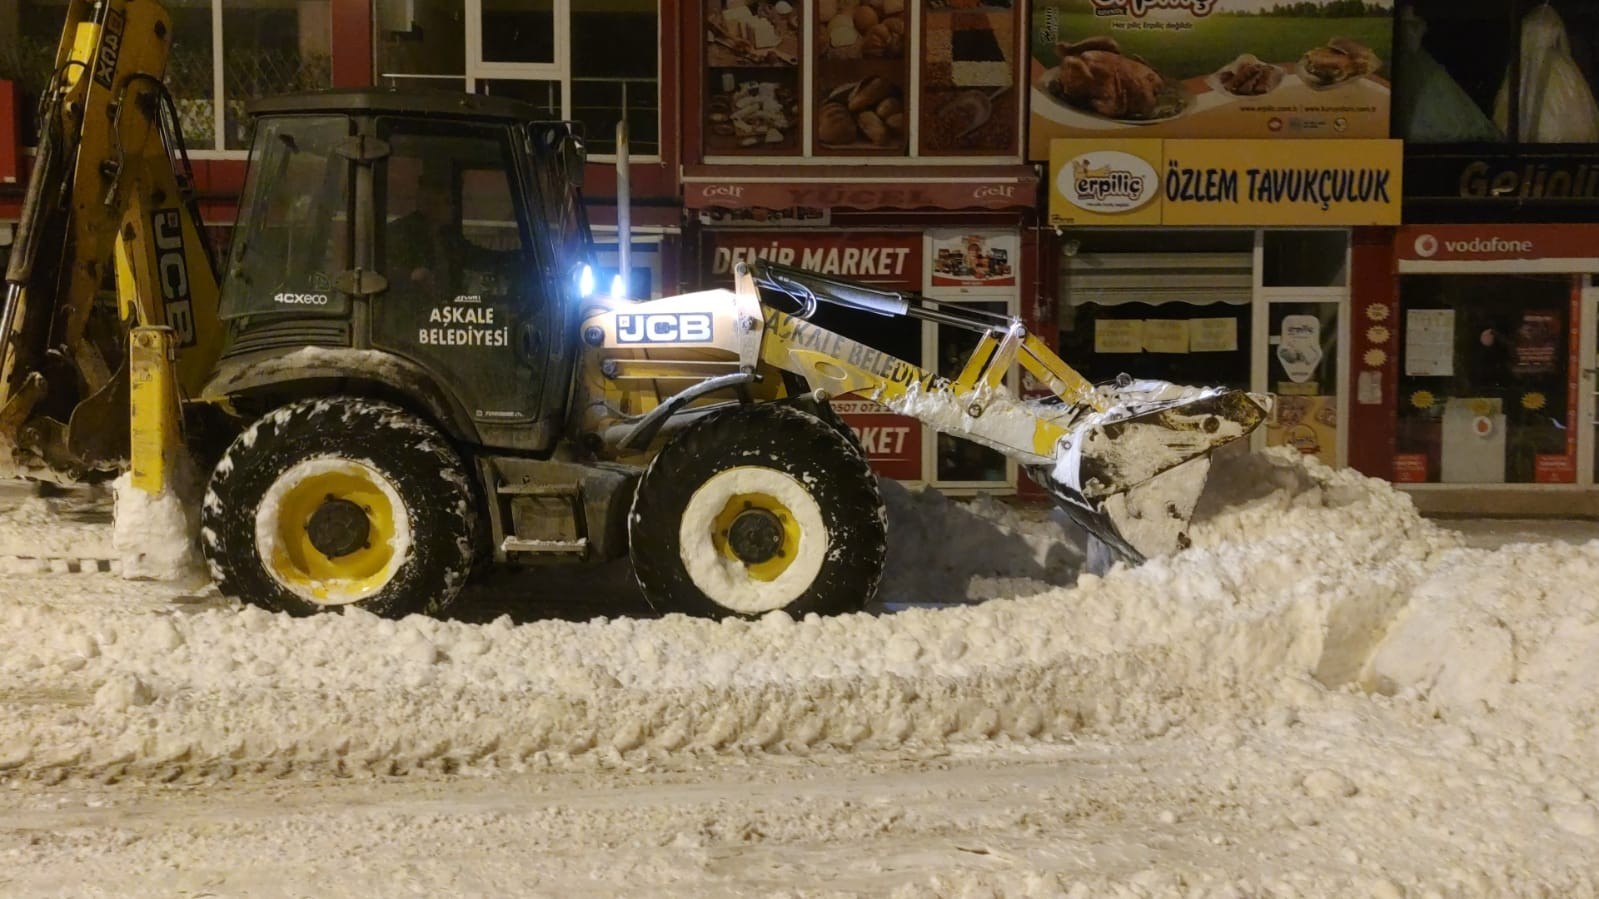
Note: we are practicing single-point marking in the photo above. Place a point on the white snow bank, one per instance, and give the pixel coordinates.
(156, 537)
(1295, 579)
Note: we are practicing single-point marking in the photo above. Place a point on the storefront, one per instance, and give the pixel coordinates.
(881, 141)
(1209, 224)
(1491, 330)
(974, 260)
(1224, 263)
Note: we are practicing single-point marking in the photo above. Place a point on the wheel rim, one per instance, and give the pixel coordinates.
(333, 531)
(753, 539)
(758, 531)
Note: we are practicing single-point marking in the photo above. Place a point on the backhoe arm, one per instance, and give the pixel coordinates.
(109, 195)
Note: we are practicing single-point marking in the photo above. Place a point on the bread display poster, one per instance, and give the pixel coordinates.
(1208, 69)
(753, 67)
(969, 85)
(862, 59)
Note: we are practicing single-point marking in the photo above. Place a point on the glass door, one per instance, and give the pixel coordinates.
(1304, 375)
(1300, 321)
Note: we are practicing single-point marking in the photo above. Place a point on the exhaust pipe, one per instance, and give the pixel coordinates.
(624, 218)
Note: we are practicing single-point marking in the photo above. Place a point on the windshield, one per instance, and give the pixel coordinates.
(289, 243)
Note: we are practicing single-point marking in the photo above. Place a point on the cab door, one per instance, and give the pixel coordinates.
(464, 297)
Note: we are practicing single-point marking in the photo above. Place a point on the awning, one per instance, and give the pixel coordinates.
(845, 186)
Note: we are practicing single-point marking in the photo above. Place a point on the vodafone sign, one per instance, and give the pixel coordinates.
(1492, 243)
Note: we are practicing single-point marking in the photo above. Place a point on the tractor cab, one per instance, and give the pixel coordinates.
(432, 243)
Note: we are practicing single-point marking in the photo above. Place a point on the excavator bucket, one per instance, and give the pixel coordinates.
(1132, 474)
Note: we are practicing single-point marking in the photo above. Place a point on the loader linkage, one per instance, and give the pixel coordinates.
(1126, 460)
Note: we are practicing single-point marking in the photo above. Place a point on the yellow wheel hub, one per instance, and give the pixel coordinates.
(759, 532)
(332, 538)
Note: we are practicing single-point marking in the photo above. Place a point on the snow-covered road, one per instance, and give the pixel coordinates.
(1325, 696)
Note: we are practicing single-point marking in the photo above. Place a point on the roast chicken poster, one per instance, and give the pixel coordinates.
(1208, 69)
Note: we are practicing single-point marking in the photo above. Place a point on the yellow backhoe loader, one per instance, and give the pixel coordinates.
(402, 372)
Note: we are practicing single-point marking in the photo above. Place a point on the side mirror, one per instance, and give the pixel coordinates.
(572, 156)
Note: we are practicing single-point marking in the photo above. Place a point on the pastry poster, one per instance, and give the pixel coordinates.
(969, 77)
(862, 66)
(753, 67)
(973, 261)
(1208, 69)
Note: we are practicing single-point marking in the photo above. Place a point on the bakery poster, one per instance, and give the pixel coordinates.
(1208, 69)
(1306, 422)
(753, 67)
(963, 262)
(862, 77)
(969, 92)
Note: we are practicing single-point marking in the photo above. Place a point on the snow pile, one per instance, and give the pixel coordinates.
(156, 537)
(36, 531)
(1322, 676)
(1299, 579)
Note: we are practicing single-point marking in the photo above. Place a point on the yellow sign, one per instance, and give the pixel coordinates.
(1105, 182)
(1225, 182)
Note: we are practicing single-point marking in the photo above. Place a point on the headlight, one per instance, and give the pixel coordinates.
(585, 282)
(618, 288)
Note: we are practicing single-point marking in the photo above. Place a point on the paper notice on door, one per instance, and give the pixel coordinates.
(1165, 335)
(1430, 343)
(1119, 336)
(1368, 388)
(1213, 335)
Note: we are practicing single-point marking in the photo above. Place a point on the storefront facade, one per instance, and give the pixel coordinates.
(597, 65)
(1210, 233)
(1482, 383)
(880, 141)
(1488, 350)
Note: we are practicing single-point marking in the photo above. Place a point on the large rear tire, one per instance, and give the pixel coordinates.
(337, 502)
(757, 509)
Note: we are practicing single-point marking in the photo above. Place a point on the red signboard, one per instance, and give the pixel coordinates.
(893, 443)
(1494, 243)
(1410, 468)
(899, 187)
(1547, 469)
(10, 134)
(891, 259)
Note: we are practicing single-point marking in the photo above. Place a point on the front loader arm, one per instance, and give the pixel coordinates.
(1127, 460)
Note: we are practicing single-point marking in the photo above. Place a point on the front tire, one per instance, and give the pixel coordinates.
(757, 509)
(340, 502)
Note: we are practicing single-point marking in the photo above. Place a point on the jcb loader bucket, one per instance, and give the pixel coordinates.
(1131, 475)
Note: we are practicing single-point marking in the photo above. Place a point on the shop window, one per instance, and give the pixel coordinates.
(866, 84)
(545, 95)
(1306, 258)
(1459, 61)
(1179, 342)
(1172, 305)
(518, 31)
(1484, 391)
(595, 64)
(268, 47)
